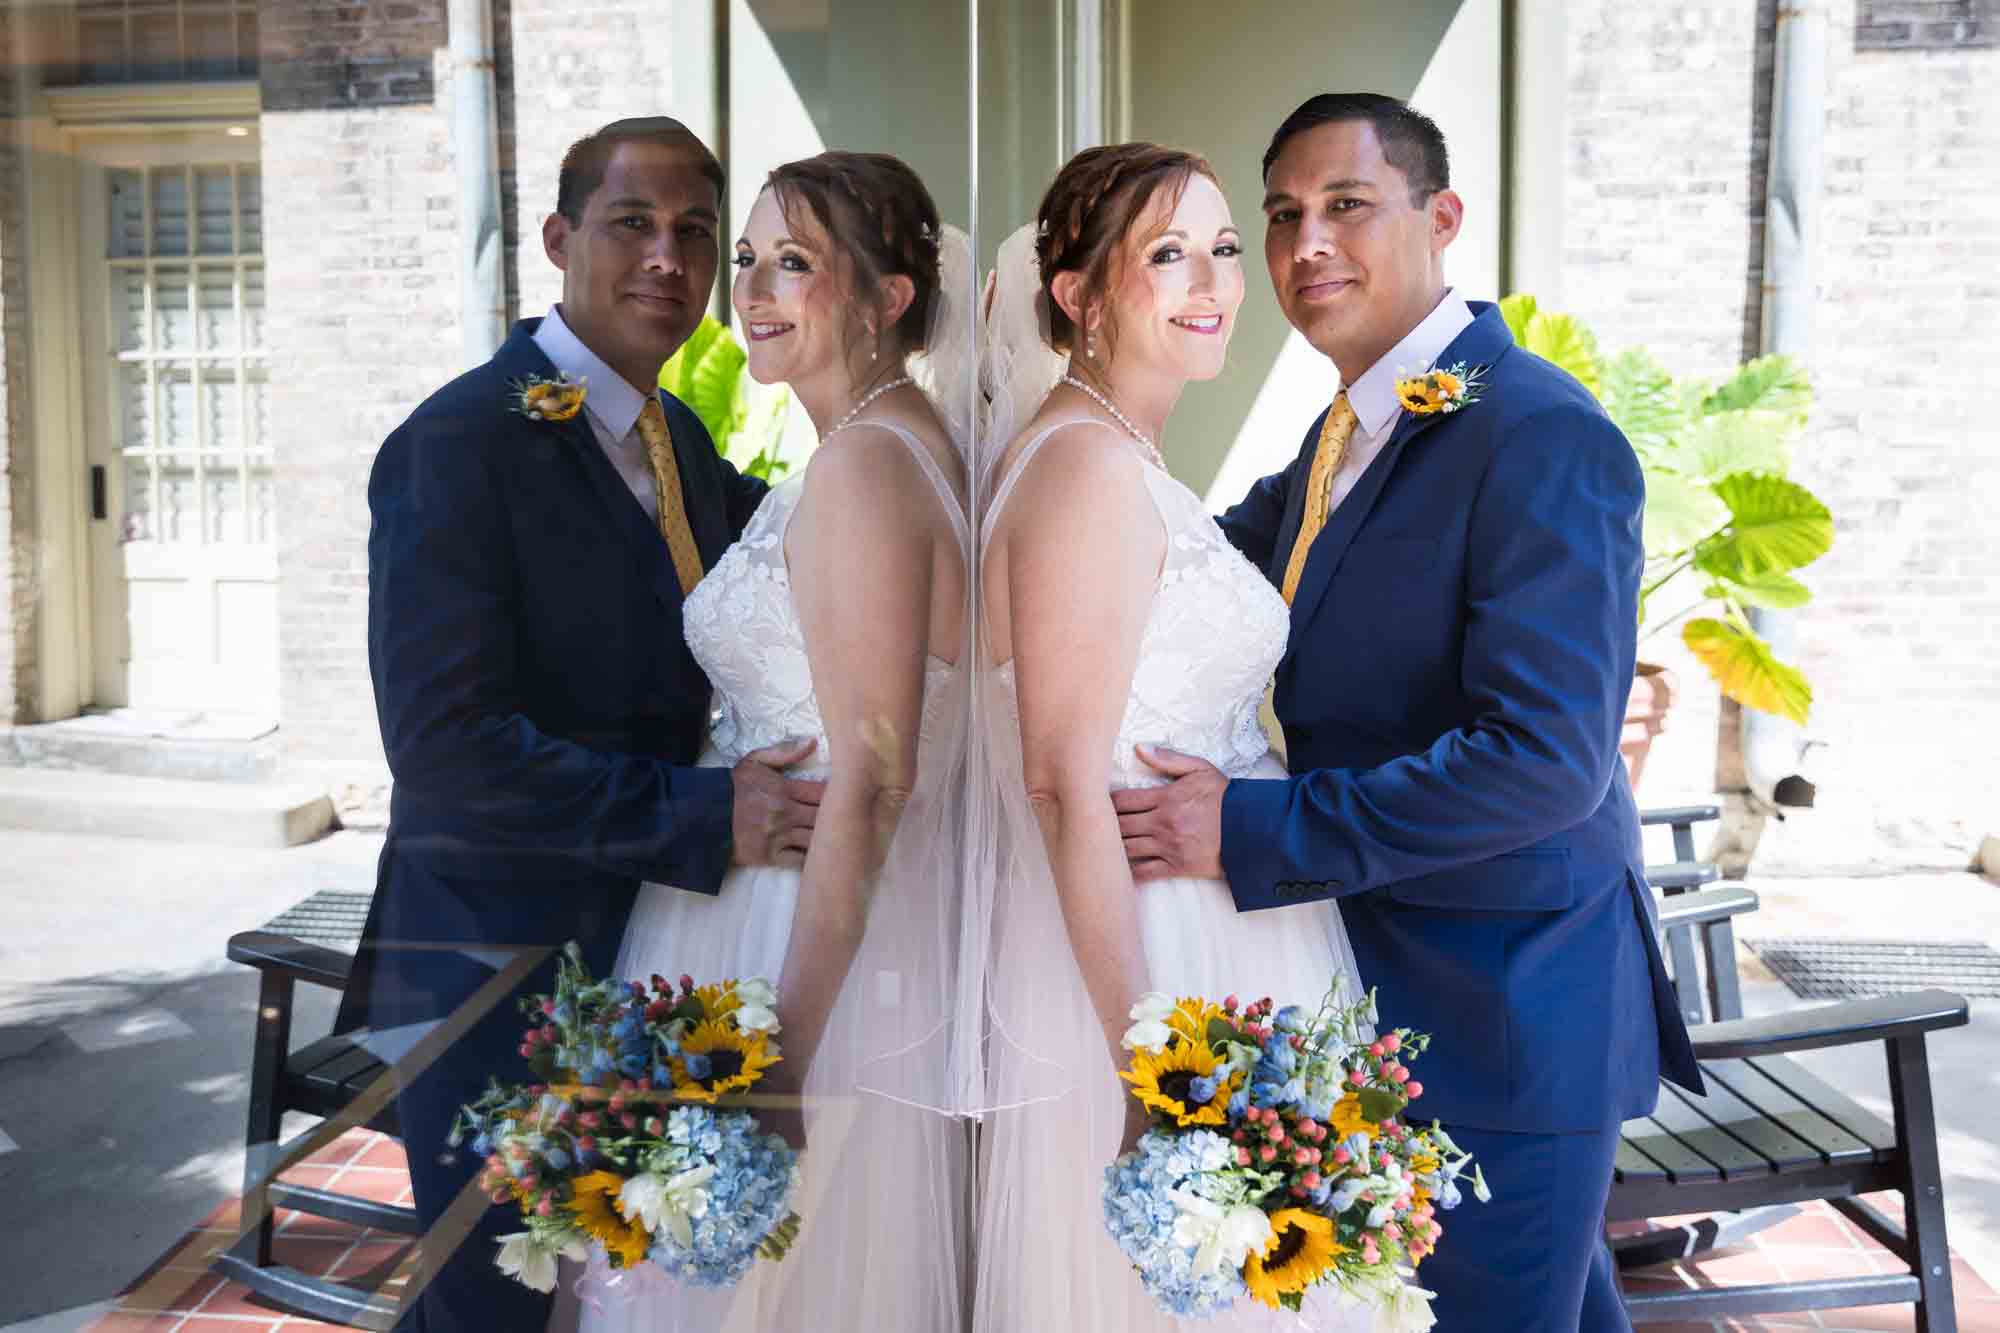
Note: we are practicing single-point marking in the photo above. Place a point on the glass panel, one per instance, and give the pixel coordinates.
(179, 517)
(170, 212)
(258, 409)
(136, 525)
(263, 500)
(250, 206)
(227, 521)
(220, 410)
(128, 214)
(216, 314)
(133, 427)
(177, 421)
(128, 309)
(215, 207)
(253, 308)
(173, 323)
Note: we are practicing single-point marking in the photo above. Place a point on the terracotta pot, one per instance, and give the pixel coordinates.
(1645, 716)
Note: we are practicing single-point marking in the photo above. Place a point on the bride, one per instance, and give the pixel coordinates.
(1114, 613)
(839, 617)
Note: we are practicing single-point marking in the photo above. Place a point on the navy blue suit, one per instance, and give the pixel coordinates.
(1462, 644)
(541, 714)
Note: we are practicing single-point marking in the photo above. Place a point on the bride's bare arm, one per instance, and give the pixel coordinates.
(1082, 556)
(861, 551)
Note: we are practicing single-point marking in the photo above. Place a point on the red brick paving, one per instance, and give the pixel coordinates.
(180, 1295)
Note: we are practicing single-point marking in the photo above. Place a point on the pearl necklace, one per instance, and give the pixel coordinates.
(1152, 450)
(870, 397)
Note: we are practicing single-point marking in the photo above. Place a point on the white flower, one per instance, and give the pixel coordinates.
(1218, 1236)
(532, 1262)
(757, 991)
(756, 1018)
(1153, 1007)
(1403, 1307)
(1479, 1190)
(1148, 1036)
(671, 1202)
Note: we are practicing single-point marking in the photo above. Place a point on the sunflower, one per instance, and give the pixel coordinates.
(736, 1060)
(1161, 1081)
(1300, 1250)
(718, 999)
(1347, 1119)
(596, 1211)
(1190, 1017)
(551, 400)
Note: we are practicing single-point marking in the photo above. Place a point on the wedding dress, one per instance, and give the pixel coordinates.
(1214, 634)
(882, 1194)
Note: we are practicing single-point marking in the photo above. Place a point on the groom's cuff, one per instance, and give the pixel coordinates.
(709, 797)
(1253, 828)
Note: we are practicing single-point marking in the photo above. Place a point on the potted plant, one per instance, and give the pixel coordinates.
(708, 374)
(1725, 528)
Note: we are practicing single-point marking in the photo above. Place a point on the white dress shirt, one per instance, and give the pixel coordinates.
(610, 403)
(1373, 395)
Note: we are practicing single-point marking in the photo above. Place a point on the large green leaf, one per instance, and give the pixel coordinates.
(1517, 310)
(1714, 447)
(716, 389)
(1639, 395)
(1768, 384)
(1564, 340)
(1680, 511)
(677, 375)
(1747, 670)
(1775, 526)
(1775, 592)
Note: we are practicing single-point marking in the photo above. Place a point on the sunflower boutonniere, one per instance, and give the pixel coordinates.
(557, 399)
(1440, 389)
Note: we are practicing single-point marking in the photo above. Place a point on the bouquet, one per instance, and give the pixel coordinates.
(622, 1149)
(1278, 1159)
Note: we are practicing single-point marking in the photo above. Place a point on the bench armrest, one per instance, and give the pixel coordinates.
(290, 957)
(1848, 1023)
(1706, 905)
(1681, 814)
(1680, 876)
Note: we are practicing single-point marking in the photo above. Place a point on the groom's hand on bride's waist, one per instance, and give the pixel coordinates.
(771, 816)
(1175, 831)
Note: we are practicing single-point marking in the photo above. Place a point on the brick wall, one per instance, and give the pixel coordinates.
(361, 242)
(1666, 143)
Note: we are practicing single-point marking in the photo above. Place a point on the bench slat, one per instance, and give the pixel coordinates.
(1835, 1146)
(1863, 1124)
(1728, 1154)
(1767, 1138)
(1655, 1141)
(1631, 1164)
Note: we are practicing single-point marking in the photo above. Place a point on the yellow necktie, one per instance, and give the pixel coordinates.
(1333, 438)
(673, 518)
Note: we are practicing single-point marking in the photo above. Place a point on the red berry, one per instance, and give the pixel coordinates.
(1393, 1042)
(1413, 1089)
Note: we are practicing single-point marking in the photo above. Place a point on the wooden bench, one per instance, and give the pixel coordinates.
(331, 1078)
(1768, 1132)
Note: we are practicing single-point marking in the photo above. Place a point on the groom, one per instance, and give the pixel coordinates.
(1464, 593)
(539, 708)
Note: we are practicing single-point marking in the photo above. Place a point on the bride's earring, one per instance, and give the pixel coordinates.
(874, 345)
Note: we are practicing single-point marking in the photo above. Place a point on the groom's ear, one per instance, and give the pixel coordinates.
(555, 240)
(1447, 216)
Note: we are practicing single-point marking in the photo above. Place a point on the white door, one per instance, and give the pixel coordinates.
(184, 577)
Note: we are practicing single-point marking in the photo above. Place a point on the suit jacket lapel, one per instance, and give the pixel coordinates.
(520, 358)
(1346, 520)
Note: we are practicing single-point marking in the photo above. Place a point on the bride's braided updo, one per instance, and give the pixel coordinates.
(1091, 207)
(876, 212)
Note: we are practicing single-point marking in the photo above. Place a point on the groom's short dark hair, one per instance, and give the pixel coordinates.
(1411, 141)
(584, 164)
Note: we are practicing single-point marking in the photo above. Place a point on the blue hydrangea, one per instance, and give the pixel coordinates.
(749, 1195)
(1140, 1215)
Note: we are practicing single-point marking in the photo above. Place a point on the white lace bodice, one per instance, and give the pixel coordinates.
(743, 629)
(1214, 636)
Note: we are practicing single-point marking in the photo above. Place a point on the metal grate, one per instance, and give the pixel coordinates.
(1848, 969)
(332, 917)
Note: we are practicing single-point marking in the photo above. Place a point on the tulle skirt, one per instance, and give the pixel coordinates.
(1043, 1258)
(884, 1187)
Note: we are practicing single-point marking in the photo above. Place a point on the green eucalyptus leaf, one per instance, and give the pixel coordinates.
(1747, 670)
